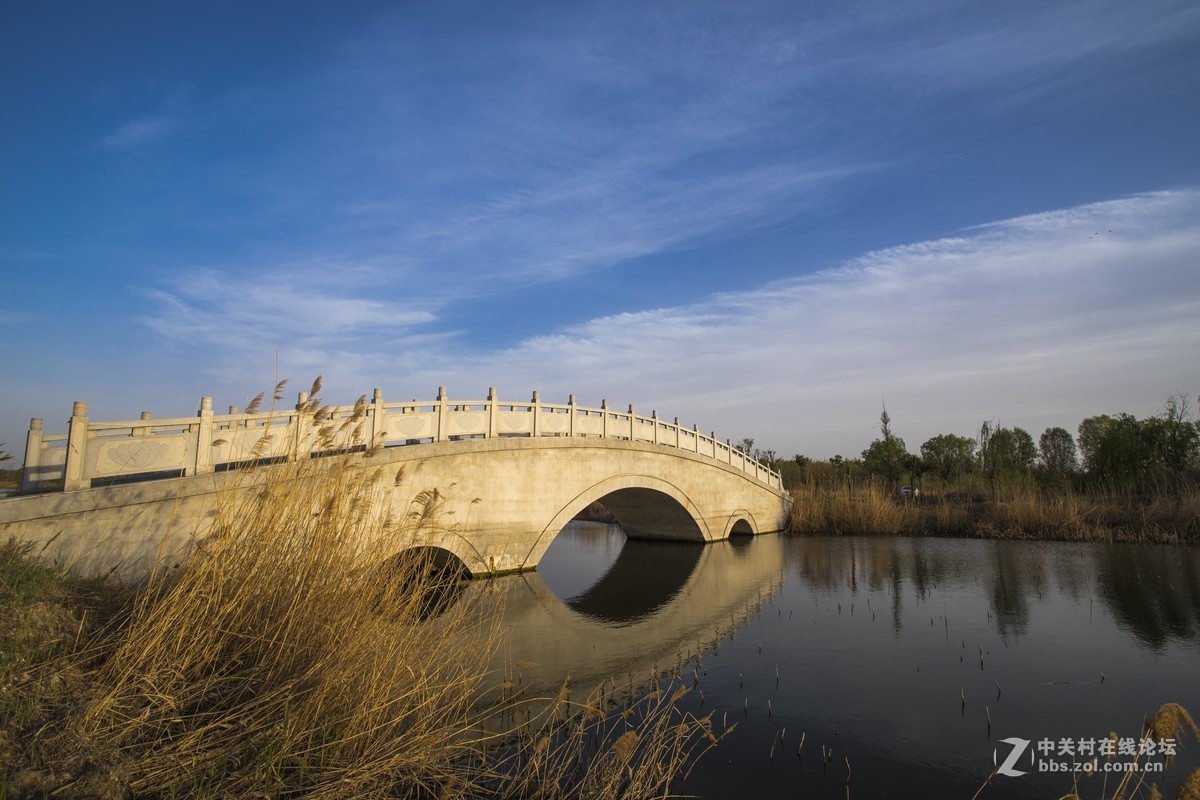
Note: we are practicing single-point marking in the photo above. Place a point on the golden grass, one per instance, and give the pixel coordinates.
(1017, 512)
(1172, 722)
(1190, 788)
(295, 655)
(865, 510)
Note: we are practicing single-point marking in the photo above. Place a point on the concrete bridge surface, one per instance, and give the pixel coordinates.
(115, 496)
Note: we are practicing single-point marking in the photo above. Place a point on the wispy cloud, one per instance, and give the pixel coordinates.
(1042, 320)
(564, 143)
(10, 317)
(316, 321)
(146, 128)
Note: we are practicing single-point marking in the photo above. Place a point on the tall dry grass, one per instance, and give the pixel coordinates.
(851, 510)
(1020, 511)
(282, 654)
(295, 655)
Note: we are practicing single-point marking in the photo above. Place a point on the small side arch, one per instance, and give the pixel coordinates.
(741, 523)
(427, 558)
(433, 577)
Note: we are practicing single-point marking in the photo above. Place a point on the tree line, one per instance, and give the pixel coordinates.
(1107, 452)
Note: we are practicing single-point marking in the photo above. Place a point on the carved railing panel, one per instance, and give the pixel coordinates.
(204, 443)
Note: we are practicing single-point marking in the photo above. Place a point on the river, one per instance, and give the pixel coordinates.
(902, 664)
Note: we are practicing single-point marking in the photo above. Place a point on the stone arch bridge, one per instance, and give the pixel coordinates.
(115, 496)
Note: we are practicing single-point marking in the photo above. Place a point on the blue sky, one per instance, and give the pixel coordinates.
(765, 218)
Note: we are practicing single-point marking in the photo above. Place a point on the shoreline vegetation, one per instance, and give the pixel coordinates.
(1011, 513)
(1119, 479)
(302, 651)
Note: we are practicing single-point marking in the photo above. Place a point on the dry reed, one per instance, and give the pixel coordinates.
(294, 654)
(1015, 512)
(867, 509)
(1190, 788)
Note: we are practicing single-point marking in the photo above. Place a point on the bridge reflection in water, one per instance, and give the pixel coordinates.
(889, 650)
(657, 604)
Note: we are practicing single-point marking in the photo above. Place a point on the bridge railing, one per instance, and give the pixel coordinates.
(151, 448)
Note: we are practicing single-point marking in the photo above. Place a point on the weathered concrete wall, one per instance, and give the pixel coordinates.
(500, 502)
(123, 530)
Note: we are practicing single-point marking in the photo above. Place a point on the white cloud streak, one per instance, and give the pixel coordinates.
(142, 130)
(313, 320)
(569, 142)
(1041, 320)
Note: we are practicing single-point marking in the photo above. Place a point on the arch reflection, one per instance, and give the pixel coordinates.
(645, 576)
(680, 599)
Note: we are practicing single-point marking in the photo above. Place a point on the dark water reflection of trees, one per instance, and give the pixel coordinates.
(1152, 591)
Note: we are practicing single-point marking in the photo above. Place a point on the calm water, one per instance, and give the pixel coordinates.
(869, 647)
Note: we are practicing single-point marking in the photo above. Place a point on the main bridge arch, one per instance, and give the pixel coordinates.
(646, 507)
(504, 502)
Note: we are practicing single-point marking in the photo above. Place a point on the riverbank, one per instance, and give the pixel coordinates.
(1009, 514)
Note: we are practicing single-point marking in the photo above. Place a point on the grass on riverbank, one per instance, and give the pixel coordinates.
(9, 478)
(1018, 513)
(295, 655)
(45, 617)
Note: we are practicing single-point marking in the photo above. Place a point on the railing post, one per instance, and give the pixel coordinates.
(678, 435)
(571, 413)
(654, 416)
(728, 449)
(378, 429)
(491, 429)
(537, 408)
(142, 431)
(204, 438)
(632, 424)
(604, 419)
(73, 471)
(696, 430)
(33, 452)
(441, 407)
